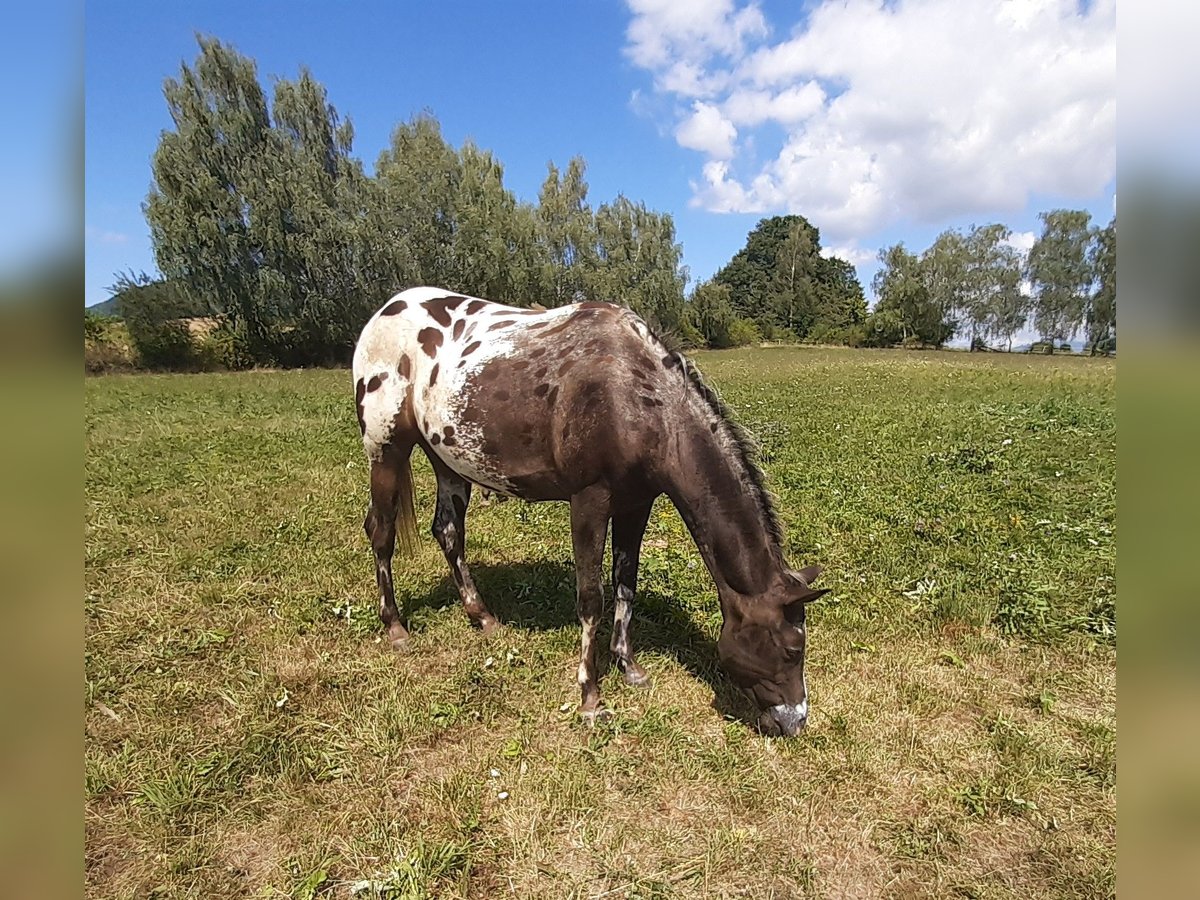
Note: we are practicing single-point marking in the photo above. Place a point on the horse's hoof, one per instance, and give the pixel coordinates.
(637, 676)
(591, 717)
(398, 638)
(488, 624)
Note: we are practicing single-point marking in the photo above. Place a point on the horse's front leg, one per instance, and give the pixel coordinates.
(589, 528)
(627, 531)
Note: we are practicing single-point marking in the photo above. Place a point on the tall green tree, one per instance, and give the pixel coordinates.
(638, 263)
(483, 229)
(840, 298)
(253, 217)
(993, 305)
(713, 315)
(780, 280)
(791, 293)
(567, 232)
(904, 298)
(413, 203)
(311, 208)
(205, 175)
(944, 269)
(1060, 272)
(1102, 306)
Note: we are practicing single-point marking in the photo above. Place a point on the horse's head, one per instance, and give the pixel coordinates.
(762, 650)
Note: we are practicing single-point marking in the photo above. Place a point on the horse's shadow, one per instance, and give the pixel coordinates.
(541, 596)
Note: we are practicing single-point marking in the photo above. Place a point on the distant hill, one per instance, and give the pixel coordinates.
(110, 307)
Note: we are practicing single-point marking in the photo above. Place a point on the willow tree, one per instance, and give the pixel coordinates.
(1060, 272)
(255, 218)
(639, 263)
(566, 233)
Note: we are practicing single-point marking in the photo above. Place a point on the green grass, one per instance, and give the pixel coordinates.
(247, 734)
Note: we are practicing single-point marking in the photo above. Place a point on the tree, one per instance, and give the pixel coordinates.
(993, 306)
(944, 270)
(483, 229)
(713, 316)
(567, 233)
(841, 302)
(1059, 271)
(781, 281)
(638, 263)
(309, 217)
(199, 204)
(258, 220)
(1102, 307)
(412, 204)
(904, 296)
(791, 291)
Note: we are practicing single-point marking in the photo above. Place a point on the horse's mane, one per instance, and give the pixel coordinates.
(744, 446)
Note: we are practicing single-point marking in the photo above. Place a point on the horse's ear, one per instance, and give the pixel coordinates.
(808, 595)
(793, 607)
(809, 574)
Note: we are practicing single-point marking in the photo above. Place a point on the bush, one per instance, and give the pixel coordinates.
(163, 345)
(854, 335)
(743, 332)
(223, 348)
(106, 345)
(683, 336)
(883, 328)
(779, 334)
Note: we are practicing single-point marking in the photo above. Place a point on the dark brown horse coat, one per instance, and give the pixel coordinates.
(584, 404)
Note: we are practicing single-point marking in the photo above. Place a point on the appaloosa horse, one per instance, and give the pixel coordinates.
(580, 403)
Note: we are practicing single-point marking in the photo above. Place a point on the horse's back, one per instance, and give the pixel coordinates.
(532, 403)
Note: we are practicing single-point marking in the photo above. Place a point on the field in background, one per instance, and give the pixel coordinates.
(248, 735)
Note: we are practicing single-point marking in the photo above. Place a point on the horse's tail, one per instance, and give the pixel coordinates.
(406, 516)
(383, 395)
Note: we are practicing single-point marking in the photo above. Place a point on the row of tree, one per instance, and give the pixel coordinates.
(259, 214)
(978, 286)
(262, 220)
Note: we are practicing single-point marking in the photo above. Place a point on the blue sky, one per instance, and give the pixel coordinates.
(878, 122)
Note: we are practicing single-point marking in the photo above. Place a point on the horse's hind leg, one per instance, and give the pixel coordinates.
(391, 509)
(627, 531)
(589, 528)
(450, 531)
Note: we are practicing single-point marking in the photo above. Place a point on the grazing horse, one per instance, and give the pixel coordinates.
(580, 403)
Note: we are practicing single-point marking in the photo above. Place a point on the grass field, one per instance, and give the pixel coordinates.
(247, 734)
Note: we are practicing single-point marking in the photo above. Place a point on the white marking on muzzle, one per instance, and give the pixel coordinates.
(790, 717)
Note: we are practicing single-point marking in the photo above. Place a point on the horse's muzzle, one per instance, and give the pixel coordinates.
(784, 720)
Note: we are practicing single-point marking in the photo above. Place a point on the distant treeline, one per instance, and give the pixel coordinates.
(978, 286)
(275, 246)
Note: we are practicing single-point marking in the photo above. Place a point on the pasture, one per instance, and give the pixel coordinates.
(249, 734)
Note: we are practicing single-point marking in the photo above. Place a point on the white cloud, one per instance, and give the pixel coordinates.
(101, 236)
(917, 110)
(791, 105)
(677, 39)
(708, 131)
(1021, 241)
(851, 253)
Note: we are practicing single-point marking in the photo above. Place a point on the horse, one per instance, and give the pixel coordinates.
(584, 404)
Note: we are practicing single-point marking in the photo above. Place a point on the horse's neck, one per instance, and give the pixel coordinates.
(725, 510)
